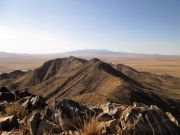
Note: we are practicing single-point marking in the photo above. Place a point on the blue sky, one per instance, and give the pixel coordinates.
(52, 26)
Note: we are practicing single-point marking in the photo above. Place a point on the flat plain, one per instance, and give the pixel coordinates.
(153, 65)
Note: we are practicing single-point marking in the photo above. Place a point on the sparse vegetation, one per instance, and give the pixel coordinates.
(15, 109)
(91, 127)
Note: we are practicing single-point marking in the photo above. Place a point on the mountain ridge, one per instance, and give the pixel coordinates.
(95, 82)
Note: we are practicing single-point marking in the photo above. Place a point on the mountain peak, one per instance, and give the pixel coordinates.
(75, 78)
(73, 58)
(95, 60)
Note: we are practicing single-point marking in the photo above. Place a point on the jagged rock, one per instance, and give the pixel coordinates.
(147, 121)
(113, 109)
(22, 94)
(26, 102)
(110, 108)
(111, 127)
(33, 123)
(33, 103)
(70, 114)
(3, 89)
(104, 117)
(171, 117)
(37, 100)
(7, 96)
(48, 114)
(8, 123)
(96, 110)
(49, 127)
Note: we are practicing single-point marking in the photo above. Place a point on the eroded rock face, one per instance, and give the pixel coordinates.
(147, 121)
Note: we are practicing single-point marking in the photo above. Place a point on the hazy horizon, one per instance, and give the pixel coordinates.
(91, 52)
(56, 26)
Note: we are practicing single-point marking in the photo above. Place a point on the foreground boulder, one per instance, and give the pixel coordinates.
(8, 123)
(33, 103)
(147, 121)
(70, 114)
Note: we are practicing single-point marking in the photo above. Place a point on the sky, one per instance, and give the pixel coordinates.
(54, 26)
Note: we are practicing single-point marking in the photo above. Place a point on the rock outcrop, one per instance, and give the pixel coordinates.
(70, 114)
(33, 103)
(148, 120)
(73, 118)
(137, 119)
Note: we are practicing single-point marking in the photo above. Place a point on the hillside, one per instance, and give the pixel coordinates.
(95, 82)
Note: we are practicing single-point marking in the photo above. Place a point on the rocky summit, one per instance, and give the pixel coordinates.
(29, 114)
(73, 96)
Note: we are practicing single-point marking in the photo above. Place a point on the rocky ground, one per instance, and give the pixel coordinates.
(22, 113)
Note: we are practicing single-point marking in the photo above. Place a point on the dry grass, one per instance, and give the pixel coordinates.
(23, 128)
(15, 109)
(91, 127)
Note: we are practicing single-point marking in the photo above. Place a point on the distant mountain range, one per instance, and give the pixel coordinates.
(93, 52)
(108, 53)
(87, 53)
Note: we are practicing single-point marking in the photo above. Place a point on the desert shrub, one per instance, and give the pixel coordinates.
(15, 109)
(91, 127)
